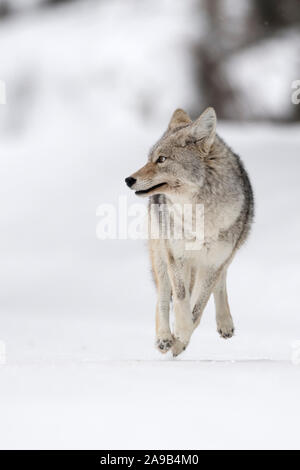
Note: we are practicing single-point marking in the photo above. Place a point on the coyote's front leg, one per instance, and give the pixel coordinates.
(183, 327)
(164, 338)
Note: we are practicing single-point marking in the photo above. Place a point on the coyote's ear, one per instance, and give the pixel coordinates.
(203, 130)
(179, 118)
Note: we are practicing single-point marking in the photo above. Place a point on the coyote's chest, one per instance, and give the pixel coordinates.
(191, 231)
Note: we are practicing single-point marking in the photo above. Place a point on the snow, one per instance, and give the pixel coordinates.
(77, 313)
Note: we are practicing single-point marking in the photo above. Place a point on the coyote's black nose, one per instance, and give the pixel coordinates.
(130, 181)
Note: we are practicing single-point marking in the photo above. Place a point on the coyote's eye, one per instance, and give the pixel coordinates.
(161, 159)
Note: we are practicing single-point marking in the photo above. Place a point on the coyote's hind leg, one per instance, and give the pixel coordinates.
(224, 320)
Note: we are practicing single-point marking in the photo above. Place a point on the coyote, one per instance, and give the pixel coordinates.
(192, 165)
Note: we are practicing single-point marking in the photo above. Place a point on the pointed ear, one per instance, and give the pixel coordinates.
(204, 129)
(179, 118)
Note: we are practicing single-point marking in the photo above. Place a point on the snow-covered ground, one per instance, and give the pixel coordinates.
(77, 313)
(81, 369)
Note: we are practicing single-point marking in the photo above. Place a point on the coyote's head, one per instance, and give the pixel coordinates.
(177, 160)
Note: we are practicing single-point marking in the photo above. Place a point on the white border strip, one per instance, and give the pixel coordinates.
(2, 353)
(2, 92)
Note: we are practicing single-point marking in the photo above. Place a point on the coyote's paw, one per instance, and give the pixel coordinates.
(226, 328)
(164, 344)
(182, 338)
(178, 347)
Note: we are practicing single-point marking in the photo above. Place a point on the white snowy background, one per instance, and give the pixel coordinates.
(90, 87)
